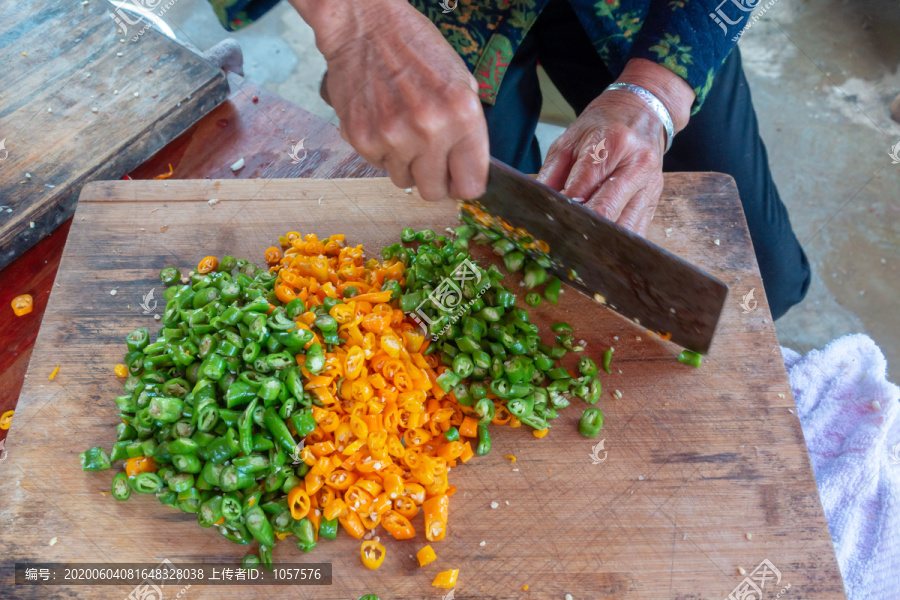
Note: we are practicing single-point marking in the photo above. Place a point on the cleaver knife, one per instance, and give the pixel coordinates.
(639, 280)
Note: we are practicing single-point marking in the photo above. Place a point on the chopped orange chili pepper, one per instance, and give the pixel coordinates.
(207, 264)
(140, 464)
(469, 427)
(352, 524)
(446, 579)
(397, 525)
(298, 502)
(426, 555)
(378, 454)
(165, 175)
(436, 514)
(372, 554)
(273, 255)
(22, 305)
(54, 373)
(121, 370)
(540, 433)
(6, 419)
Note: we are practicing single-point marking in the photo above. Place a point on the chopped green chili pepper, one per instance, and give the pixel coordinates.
(279, 430)
(463, 365)
(236, 532)
(560, 327)
(146, 483)
(591, 422)
(535, 275)
(447, 380)
(258, 526)
(120, 489)
(521, 407)
(138, 339)
(328, 528)
(169, 275)
(426, 235)
(533, 299)
(607, 358)
(587, 366)
(514, 261)
(303, 529)
(552, 290)
(484, 440)
(690, 358)
(94, 459)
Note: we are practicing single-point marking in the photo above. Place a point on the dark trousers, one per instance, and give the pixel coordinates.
(723, 136)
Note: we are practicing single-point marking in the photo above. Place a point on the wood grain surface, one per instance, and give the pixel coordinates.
(695, 459)
(62, 60)
(262, 128)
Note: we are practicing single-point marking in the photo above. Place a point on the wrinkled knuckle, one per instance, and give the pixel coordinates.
(392, 134)
(432, 123)
(468, 105)
(363, 141)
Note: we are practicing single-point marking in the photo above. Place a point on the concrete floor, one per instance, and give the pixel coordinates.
(822, 75)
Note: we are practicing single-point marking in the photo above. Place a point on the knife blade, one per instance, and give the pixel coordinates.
(634, 277)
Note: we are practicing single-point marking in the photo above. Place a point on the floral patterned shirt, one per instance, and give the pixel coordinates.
(688, 37)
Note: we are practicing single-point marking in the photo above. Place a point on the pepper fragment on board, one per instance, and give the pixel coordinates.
(165, 175)
(446, 579)
(22, 305)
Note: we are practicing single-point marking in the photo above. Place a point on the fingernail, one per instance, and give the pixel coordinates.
(578, 199)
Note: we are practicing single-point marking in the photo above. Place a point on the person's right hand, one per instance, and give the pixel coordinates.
(405, 100)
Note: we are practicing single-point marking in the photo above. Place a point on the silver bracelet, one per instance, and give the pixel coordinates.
(655, 105)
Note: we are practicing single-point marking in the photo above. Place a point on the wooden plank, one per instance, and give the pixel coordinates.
(61, 61)
(262, 132)
(694, 459)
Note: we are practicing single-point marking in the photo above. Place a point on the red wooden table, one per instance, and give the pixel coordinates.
(252, 124)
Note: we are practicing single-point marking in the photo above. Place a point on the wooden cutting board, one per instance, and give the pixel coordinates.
(77, 104)
(703, 471)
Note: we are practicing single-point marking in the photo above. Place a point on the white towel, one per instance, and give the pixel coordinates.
(848, 410)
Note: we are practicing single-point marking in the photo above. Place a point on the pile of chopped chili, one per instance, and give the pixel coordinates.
(327, 391)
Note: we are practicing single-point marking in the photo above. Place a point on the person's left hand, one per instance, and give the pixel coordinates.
(622, 180)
